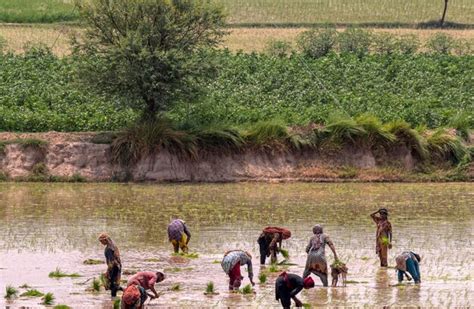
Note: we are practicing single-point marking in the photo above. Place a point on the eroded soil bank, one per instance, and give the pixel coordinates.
(76, 156)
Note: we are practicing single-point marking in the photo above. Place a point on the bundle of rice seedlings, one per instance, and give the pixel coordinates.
(210, 289)
(443, 145)
(92, 262)
(411, 138)
(262, 278)
(273, 268)
(58, 273)
(31, 293)
(10, 292)
(342, 129)
(246, 289)
(95, 285)
(285, 253)
(48, 299)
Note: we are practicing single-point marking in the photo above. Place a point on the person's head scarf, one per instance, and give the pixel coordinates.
(110, 244)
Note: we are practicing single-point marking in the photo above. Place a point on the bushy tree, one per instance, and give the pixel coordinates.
(148, 51)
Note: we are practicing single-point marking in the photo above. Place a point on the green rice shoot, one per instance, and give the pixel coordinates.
(246, 289)
(175, 287)
(285, 253)
(10, 292)
(96, 284)
(60, 274)
(210, 289)
(48, 299)
(262, 278)
(32, 293)
(92, 262)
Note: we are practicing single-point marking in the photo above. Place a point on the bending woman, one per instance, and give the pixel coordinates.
(316, 262)
(408, 261)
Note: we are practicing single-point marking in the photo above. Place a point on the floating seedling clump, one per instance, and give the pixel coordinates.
(262, 278)
(48, 299)
(246, 289)
(60, 274)
(273, 268)
(92, 262)
(32, 293)
(210, 289)
(10, 292)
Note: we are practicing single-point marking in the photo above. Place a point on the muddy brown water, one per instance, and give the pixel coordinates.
(45, 226)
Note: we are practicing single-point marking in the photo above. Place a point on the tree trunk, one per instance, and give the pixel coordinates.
(441, 22)
(150, 111)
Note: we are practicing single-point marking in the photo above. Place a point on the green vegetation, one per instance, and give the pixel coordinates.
(59, 274)
(175, 287)
(92, 262)
(285, 253)
(210, 289)
(246, 289)
(32, 293)
(48, 299)
(61, 307)
(273, 268)
(96, 285)
(36, 11)
(191, 255)
(262, 278)
(279, 12)
(154, 60)
(117, 304)
(10, 292)
(25, 286)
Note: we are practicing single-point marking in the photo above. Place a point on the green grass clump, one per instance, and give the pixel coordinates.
(32, 293)
(262, 278)
(273, 268)
(210, 289)
(285, 253)
(409, 137)
(443, 145)
(175, 287)
(463, 124)
(48, 299)
(10, 292)
(246, 289)
(92, 262)
(96, 283)
(59, 274)
(217, 139)
(61, 307)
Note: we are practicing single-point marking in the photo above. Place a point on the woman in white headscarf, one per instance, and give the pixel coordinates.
(316, 262)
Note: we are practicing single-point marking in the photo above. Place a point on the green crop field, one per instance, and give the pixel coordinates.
(278, 12)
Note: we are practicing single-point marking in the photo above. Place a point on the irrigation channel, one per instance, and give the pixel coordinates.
(45, 226)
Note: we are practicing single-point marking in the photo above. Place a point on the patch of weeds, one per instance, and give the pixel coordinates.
(59, 274)
(32, 293)
(153, 260)
(175, 287)
(61, 307)
(40, 169)
(262, 278)
(348, 172)
(48, 299)
(92, 262)
(10, 292)
(246, 290)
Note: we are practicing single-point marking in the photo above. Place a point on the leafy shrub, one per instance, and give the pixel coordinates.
(354, 41)
(385, 43)
(278, 48)
(441, 43)
(317, 43)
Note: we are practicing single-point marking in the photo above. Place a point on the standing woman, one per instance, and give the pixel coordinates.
(114, 265)
(383, 235)
(316, 262)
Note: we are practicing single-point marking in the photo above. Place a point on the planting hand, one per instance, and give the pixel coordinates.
(298, 302)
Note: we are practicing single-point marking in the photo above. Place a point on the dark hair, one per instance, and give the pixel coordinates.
(160, 274)
(417, 256)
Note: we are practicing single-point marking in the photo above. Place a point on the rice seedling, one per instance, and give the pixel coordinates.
(246, 289)
(285, 253)
(32, 293)
(117, 303)
(60, 274)
(306, 305)
(10, 292)
(25, 286)
(92, 262)
(95, 285)
(216, 262)
(210, 288)
(175, 287)
(153, 260)
(48, 299)
(192, 255)
(273, 268)
(262, 278)
(61, 307)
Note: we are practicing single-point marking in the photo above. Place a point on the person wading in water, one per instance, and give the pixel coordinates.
(147, 280)
(231, 265)
(114, 265)
(270, 241)
(316, 262)
(408, 261)
(287, 286)
(179, 235)
(383, 235)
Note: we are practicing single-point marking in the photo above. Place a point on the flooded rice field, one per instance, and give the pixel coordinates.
(45, 226)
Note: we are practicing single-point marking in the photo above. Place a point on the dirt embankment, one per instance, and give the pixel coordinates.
(68, 156)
